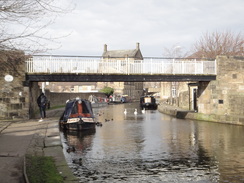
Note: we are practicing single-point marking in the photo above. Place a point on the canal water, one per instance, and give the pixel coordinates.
(153, 147)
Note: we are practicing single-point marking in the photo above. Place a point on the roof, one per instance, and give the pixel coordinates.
(120, 53)
(132, 53)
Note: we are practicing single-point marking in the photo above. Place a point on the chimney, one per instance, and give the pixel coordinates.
(105, 48)
(137, 46)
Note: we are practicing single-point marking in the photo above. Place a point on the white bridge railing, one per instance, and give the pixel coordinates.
(52, 64)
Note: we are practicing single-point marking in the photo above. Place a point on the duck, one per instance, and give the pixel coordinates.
(77, 161)
(135, 111)
(70, 149)
(125, 112)
(99, 124)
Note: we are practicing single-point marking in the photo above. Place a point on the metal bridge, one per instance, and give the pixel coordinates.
(71, 68)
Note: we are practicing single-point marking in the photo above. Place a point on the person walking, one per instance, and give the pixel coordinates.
(42, 102)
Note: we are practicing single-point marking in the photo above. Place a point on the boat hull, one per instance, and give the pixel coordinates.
(78, 126)
(149, 106)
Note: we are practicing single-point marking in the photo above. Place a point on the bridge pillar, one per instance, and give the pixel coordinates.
(222, 99)
(35, 91)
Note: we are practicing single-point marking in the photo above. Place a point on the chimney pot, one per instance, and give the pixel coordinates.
(105, 48)
(137, 46)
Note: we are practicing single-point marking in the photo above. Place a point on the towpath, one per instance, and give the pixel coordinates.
(21, 137)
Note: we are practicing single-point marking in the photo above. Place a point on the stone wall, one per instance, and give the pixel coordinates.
(35, 91)
(225, 96)
(14, 96)
(57, 99)
(221, 100)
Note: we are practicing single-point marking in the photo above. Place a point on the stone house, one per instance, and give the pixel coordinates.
(132, 89)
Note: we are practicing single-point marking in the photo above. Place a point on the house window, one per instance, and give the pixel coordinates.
(173, 90)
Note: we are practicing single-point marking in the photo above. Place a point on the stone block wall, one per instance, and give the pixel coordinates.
(184, 99)
(225, 96)
(220, 100)
(35, 91)
(14, 96)
(57, 99)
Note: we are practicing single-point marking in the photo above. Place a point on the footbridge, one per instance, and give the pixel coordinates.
(94, 69)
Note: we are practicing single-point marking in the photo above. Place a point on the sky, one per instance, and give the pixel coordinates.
(155, 24)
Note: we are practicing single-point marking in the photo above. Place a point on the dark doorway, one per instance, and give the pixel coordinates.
(195, 99)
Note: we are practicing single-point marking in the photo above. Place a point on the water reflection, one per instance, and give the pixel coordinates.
(153, 147)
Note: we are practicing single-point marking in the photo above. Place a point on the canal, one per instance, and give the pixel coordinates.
(153, 147)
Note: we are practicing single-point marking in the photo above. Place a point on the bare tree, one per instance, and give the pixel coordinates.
(12, 62)
(23, 23)
(216, 43)
(175, 51)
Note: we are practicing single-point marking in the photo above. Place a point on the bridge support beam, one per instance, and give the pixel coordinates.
(116, 78)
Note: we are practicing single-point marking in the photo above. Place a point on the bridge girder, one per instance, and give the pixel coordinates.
(116, 78)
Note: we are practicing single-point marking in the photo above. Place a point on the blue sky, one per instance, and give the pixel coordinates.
(155, 24)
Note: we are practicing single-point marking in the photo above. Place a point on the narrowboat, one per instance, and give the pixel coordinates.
(78, 115)
(148, 102)
(97, 102)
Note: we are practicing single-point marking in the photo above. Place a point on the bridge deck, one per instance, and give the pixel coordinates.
(47, 68)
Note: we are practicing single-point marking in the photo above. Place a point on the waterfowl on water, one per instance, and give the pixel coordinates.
(135, 111)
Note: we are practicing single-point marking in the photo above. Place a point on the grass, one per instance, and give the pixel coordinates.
(56, 107)
(42, 169)
(37, 112)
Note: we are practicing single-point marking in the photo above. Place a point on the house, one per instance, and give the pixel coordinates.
(132, 89)
(132, 54)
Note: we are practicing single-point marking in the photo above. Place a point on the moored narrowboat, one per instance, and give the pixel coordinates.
(148, 102)
(78, 115)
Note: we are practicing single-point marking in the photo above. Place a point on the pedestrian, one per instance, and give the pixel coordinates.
(42, 102)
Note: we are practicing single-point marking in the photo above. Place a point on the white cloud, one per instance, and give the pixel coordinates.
(154, 23)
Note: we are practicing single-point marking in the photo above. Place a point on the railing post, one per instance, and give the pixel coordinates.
(182, 67)
(127, 66)
(151, 65)
(71, 65)
(27, 66)
(32, 64)
(215, 67)
(202, 68)
(195, 66)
